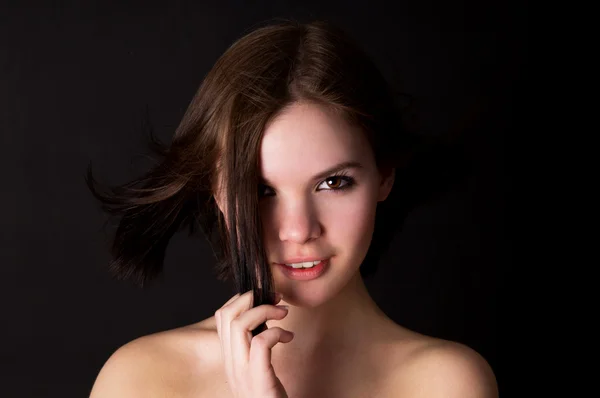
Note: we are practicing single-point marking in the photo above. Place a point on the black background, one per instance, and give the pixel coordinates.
(77, 78)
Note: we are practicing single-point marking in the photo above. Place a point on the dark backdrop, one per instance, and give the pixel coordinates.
(76, 81)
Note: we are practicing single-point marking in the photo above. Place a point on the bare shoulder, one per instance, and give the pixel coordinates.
(175, 362)
(434, 367)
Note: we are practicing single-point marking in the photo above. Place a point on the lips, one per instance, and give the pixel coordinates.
(304, 274)
(296, 260)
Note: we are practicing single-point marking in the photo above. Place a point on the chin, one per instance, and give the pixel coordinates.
(307, 295)
(305, 300)
(314, 293)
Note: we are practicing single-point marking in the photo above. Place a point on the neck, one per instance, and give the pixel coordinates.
(340, 323)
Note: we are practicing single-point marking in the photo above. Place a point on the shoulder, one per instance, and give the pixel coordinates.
(441, 368)
(175, 361)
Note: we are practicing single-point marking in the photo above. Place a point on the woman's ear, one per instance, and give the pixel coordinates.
(387, 182)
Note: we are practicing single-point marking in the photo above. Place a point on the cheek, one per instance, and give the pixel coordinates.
(347, 219)
(350, 223)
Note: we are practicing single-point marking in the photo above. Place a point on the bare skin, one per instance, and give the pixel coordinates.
(186, 362)
(344, 345)
(338, 362)
(381, 359)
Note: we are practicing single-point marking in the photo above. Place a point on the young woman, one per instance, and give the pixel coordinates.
(285, 159)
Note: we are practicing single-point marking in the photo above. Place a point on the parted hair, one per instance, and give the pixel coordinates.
(215, 150)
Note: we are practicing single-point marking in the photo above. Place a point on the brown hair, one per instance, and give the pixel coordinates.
(218, 139)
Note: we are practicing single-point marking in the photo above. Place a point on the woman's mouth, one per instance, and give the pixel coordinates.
(304, 271)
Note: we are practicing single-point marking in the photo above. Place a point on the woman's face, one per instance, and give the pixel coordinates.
(325, 217)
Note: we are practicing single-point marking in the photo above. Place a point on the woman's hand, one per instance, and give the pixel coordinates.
(248, 359)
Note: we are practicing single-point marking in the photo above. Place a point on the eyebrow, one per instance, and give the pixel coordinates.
(329, 171)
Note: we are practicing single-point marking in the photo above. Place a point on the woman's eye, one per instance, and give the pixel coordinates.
(333, 183)
(345, 181)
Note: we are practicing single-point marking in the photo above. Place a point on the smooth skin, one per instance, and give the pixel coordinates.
(247, 359)
(345, 346)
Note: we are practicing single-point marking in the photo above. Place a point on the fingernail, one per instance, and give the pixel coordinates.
(285, 307)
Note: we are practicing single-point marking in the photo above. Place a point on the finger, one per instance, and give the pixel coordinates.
(223, 333)
(242, 326)
(226, 315)
(231, 310)
(218, 314)
(231, 300)
(260, 350)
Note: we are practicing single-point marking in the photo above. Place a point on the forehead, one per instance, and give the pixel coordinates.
(306, 139)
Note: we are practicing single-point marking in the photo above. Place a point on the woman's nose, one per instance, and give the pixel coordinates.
(299, 224)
